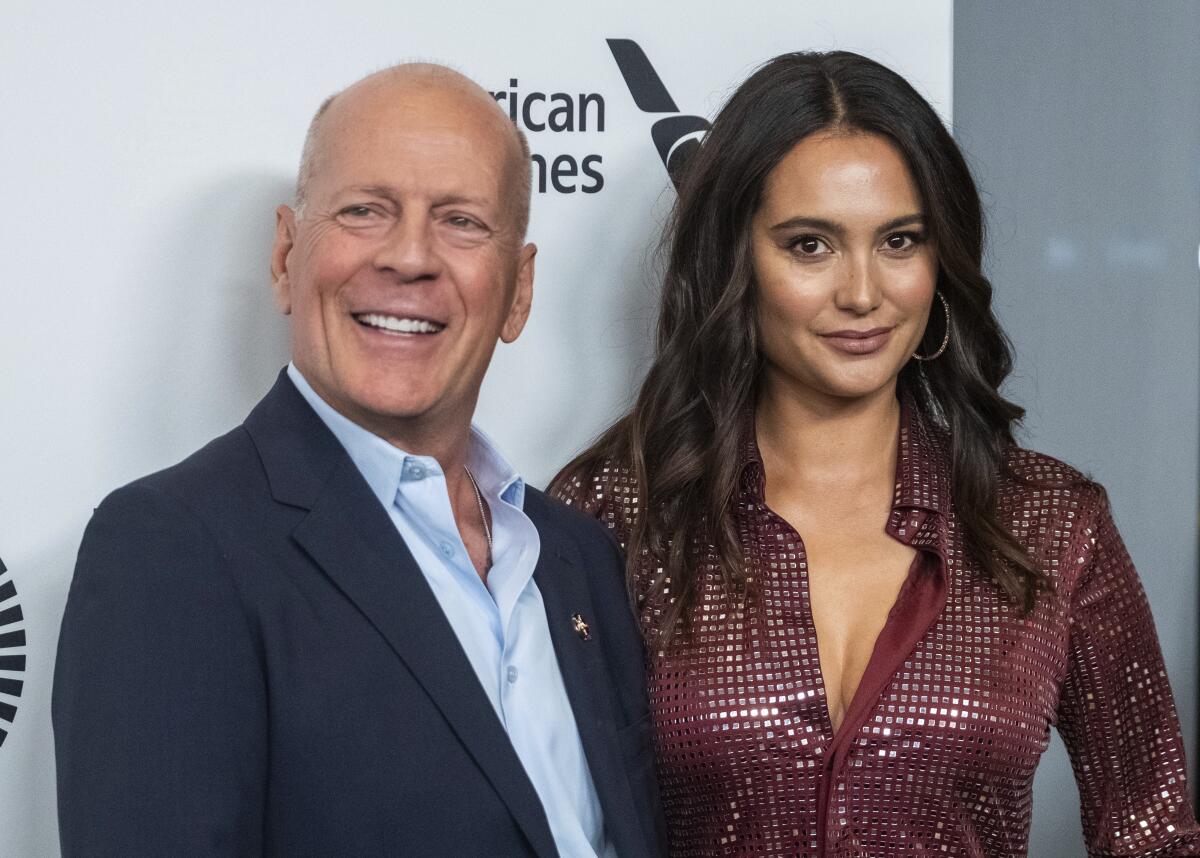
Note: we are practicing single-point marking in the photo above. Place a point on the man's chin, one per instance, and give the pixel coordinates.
(408, 409)
(395, 403)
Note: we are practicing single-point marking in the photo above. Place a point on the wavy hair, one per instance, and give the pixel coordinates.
(681, 439)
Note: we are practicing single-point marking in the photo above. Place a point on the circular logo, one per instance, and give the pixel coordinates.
(12, 663)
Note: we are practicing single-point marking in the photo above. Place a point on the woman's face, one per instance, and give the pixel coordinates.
(844, 271)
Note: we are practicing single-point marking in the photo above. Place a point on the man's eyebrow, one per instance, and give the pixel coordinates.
(373, 190)
(834, 228)
(458, 200)
(390, 193)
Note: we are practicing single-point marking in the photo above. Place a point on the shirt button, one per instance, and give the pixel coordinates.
(511, 673)
(447, 549)
(415, 471)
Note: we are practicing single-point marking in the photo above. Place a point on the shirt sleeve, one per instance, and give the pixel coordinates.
(1116, 713)
(159, 702)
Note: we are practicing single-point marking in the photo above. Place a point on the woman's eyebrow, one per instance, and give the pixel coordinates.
(915, 219)
(802, 222)
(824, 225)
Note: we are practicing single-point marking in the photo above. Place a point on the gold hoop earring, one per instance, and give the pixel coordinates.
(946, 338)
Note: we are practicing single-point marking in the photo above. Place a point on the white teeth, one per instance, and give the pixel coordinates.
(399, 325)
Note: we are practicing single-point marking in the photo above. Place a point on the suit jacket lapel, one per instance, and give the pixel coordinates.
(563, 585)
(350, 536)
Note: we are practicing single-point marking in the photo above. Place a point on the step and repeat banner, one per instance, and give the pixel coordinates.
(145, 147)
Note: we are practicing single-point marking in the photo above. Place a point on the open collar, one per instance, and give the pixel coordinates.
(921, 502)
(385, 466)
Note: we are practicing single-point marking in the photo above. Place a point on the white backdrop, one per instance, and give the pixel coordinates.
(144, 147)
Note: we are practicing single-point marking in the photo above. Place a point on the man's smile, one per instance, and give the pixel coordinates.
(398, 324)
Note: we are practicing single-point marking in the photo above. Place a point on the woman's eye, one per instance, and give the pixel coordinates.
(809, 245)
(902, 241)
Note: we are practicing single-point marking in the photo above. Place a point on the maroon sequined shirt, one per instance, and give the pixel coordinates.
(937, 751)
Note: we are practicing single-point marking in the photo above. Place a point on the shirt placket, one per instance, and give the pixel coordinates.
(837, 749)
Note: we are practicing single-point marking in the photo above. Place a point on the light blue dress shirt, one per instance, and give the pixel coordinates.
(502, 625)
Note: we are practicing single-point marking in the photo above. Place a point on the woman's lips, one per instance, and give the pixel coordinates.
(859, 342)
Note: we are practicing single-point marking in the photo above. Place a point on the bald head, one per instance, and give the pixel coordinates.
(419, 81)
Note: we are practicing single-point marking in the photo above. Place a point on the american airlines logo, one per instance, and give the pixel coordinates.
(676, 135)
(545, 115)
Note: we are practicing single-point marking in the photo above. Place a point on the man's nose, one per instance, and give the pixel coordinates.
(858, 288)
(408, 250)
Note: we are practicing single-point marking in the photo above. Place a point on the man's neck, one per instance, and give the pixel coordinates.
(448, 441)
(443, 436)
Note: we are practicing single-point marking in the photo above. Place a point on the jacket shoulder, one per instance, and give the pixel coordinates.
(550, 512)
(208, 481)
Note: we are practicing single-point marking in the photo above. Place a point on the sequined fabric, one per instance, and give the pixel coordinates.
(936, 755)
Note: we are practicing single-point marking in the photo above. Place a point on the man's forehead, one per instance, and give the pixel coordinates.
(436, 101)
(405, 159)
(388, 123)
(421, 126)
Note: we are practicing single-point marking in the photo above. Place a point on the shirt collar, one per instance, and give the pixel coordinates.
(922, 462)
(495, 476)
(385, 466)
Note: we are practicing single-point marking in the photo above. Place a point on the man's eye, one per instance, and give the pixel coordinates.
(461, 222)
(357, 211)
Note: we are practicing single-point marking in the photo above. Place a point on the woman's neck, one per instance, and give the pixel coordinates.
(813, 445)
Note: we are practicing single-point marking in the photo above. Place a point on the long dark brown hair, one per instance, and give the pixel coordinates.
(681, 440)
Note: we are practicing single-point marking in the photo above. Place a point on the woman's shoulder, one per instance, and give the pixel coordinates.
(1026, 472)
(1054, 509)
(605, 489)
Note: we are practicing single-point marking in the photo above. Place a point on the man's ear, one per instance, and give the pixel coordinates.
(518, 311)
(285, 239)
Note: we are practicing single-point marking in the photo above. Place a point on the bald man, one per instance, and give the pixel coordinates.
(348, 627)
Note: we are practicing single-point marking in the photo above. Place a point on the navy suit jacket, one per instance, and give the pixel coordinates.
(251, 663)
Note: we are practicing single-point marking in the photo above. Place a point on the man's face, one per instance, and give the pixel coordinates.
(404, 267)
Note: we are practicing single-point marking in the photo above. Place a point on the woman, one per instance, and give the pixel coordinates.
(864, 605)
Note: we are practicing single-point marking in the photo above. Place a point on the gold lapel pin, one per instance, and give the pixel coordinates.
(581, 626)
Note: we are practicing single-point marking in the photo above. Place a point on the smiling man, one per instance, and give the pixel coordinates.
(347, 627)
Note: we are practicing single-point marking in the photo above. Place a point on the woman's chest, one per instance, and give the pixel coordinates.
(970, 692)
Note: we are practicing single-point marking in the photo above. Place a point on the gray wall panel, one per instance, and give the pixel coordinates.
(1082, 122)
